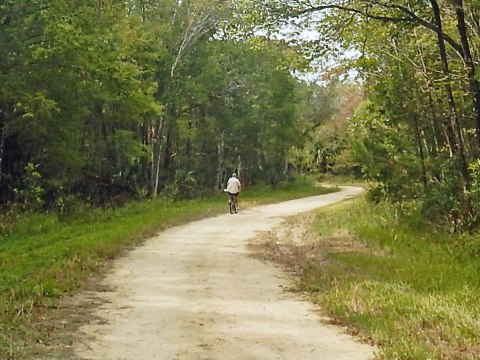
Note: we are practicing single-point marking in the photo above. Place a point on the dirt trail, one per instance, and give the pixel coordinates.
(193, 292)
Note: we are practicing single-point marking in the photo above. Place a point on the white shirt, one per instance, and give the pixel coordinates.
(233, 185)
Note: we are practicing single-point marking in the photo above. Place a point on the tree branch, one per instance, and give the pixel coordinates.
(410, 17)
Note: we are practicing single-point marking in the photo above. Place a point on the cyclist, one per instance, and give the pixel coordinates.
(234, 187)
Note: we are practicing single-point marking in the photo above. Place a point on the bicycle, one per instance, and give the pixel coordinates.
(232, 204)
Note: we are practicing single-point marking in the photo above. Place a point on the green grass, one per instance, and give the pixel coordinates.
(411, 288)
(283, 192)
(42, 258)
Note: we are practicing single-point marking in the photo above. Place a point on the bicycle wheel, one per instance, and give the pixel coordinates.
(231, 205)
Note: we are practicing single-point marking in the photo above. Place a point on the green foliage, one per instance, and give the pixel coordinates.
(184, 186)
(385, 152)
(421, 121)
(243, 113)
(122, 99)
(83, 80)
(324, 113)
(31, 193)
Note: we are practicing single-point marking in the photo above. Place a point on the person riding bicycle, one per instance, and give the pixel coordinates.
(234, 187)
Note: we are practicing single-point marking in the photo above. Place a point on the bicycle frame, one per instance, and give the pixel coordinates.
(232, 206)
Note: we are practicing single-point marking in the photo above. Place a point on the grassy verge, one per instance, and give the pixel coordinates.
(263, 194)
(42, 258)
(409, 288)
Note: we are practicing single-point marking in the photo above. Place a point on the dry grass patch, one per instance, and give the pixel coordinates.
(293, 245)
(296, 245)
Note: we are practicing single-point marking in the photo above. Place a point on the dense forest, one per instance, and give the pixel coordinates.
(104, 100)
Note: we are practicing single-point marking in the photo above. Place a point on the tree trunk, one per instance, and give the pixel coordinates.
(467, 56)
(219, 183)
(240, 169)
(459, 148)
(156, 155)
(435, 149)
(435, 130)
(145, 170)
(3, 135)
(168, 154)
(421, 152)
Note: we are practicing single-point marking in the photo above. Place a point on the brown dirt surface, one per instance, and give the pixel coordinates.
(195, 292)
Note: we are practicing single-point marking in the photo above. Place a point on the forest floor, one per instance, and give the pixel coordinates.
(196, 292)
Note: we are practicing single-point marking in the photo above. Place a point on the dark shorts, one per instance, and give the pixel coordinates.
(236, 194)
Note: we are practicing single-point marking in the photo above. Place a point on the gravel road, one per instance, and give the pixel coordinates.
(194, 293)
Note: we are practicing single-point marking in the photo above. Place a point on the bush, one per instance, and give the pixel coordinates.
(184, 186)
(30, 195)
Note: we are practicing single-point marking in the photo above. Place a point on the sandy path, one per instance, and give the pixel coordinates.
(193, 292)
